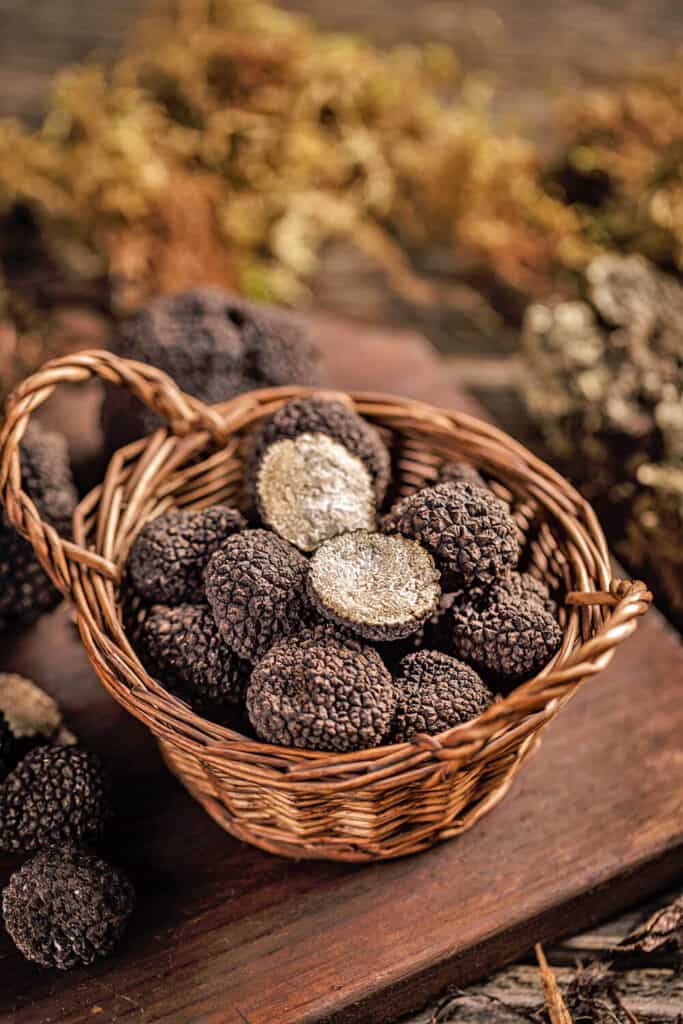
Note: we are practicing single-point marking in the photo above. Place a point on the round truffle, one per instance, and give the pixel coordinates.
(256, 587)
(170, 553)
(517, 586)
(324, 416)
(55, 795)
(469, 531)
(66, 907)
(380, 587)
(26, 591)
(310, 488)
(214, 345)
(183, 648)
(508, 638)
(435, 692)
(321, 693)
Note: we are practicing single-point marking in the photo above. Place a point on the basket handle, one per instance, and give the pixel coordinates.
(183, 414)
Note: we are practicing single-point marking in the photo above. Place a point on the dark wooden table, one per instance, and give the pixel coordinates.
(225, 932)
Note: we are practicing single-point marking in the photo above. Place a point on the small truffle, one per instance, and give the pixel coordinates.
(379, 587)
(55, 795)
(508, 638)
(321, 693)
(26, 591)
(435, 692)
(310, 488)
(183, 648)
(214, 345)
(256, 587)
(324, 416)
(169, 555)
(66, 907)
(518, 586)
(469, 531)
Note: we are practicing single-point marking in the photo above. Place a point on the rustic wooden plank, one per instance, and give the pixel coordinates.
(226, 933)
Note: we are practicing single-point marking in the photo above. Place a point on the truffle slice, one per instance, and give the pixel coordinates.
(169, 555)
(183, 647)
(469, 531)
(256, 587)
(66, 907)
(310, 488)
(31, 714)
(55, 795)
(505, 637)
(324, 416)
(26, 591)
(435, 692)
(380, 587)
(321, 693)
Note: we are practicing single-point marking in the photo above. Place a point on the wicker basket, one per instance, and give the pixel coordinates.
(366, 805)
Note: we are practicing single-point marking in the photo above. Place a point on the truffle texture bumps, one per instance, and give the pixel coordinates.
(169, 555)
(469, 531)
(55, 795)
(310, 488)
(256, 587)
(66, 907)
(321, 693)
(380, 587)
(435, 692)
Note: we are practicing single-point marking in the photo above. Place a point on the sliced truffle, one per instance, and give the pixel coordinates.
(469, 531)
(324, 416)
(214, 345)
(379, 587)
(55, 795)
(508, 638)
(256, 587)
(66, 907)
(183, 648)
(321, 693)
(310, 488)
(435, 692)
(169, 555)
(26, 591)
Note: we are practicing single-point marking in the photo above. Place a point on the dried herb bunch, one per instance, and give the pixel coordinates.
(605, 382)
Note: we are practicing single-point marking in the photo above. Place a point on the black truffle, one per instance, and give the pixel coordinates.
(469, 531)
(214, 345)
(183, 648)
(25, 591)
(456, 472)
(517, 586)
(505, 637)
(435, 692)
(55, 795)
(66, 907)
(256, 587)
(321, 693)
(169, 555)
(323, 416)
(382, 588)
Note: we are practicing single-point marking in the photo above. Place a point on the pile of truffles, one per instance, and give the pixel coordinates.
(63, 906)
(323, 619)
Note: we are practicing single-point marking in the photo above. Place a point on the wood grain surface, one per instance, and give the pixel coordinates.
(225, 933)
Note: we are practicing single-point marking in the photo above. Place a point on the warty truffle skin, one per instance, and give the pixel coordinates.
(183, 648)
(256, 588)
(214, 345)
(26, 591)
(469, 531)
(507, 639)
(66, 907)
(321, 693)
(435, 692)
(323, 416)
(169, 555)
(55, 795)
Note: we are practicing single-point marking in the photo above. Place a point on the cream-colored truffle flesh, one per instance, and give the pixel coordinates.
(311, 488)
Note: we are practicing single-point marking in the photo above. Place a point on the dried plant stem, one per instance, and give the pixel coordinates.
(554, 1001)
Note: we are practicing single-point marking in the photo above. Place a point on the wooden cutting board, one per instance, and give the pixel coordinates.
(225, 933)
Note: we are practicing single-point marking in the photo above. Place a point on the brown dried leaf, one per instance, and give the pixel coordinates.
(662, 931)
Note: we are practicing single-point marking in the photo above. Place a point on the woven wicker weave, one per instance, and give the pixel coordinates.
(366, 805)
